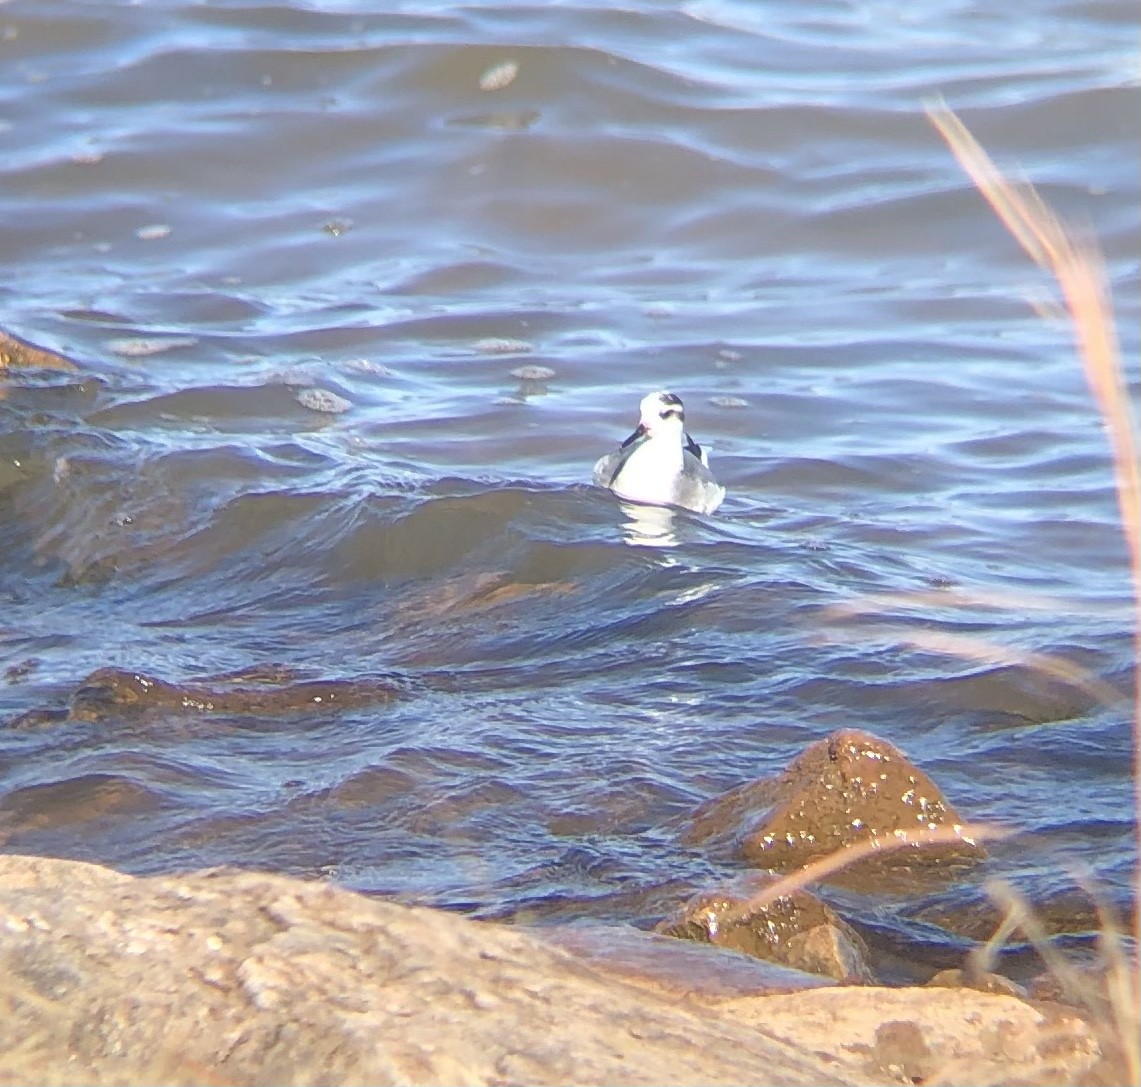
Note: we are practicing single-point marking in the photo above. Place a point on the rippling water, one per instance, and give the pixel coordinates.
(358, 299)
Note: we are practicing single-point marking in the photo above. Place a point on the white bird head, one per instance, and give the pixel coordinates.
(662, 413)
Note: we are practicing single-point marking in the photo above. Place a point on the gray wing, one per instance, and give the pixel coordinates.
(607, 469)
(696, 488)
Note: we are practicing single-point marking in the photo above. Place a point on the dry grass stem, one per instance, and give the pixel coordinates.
(982, 959)
(1020, 915)
(993, 598)
(1121, 989)
(1078, 269)
(970, 647)
(1117, 1005)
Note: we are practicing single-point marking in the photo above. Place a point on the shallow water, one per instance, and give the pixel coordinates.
(237, 216)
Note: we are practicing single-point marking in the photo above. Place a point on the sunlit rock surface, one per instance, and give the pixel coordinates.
(796, 930)
(848, 788)
(236, 977)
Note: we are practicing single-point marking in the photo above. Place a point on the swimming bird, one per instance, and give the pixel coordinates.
(660, 464)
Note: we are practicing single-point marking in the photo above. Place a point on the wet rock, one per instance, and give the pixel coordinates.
(41, 717)
(676, 966)
(17, 354)
(844, 790)
(795, 930)
(983, 982)
(111, 692)
(246, 978)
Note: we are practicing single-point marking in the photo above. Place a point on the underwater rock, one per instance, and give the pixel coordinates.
(111, 692)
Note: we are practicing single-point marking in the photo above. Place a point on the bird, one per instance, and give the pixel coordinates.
(660, 464)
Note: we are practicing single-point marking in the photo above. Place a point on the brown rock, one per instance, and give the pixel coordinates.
(19, 354)
(796, 930)
(244, 978)
(49, 874)
(117, 692)
(934, 1036)
(841, 791)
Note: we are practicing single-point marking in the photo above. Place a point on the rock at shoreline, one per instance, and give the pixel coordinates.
(796, 930)
(245, 978)
(17, 354)
(841, 791)
(984, 982)
(665, 964)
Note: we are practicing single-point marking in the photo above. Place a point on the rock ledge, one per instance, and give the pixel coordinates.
(242, 977)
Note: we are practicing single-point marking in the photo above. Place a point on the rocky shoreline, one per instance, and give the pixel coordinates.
(243, 977)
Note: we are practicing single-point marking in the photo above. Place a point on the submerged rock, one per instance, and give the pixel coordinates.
(269, 691)
(112, 692)
(245, 978)
(795, 930)
(844, 790)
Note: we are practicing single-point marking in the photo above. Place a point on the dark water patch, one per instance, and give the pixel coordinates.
(975, 917)
(374, 786)
(432, 536)
(45, 401)
(83, 799)
(220, 408)
(461, 278)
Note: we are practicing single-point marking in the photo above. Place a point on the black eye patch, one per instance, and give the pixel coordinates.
(667, 412)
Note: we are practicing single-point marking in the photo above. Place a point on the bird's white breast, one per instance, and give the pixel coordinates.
(651, 472)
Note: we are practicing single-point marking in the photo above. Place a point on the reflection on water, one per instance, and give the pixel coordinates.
(298, 251)
(648, 526)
